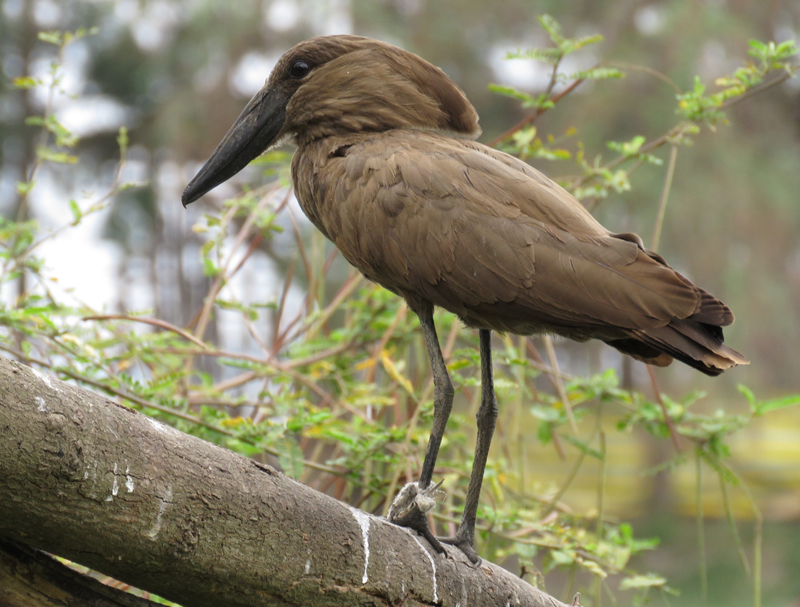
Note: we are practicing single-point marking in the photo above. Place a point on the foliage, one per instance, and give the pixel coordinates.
(340, 396)
(695, 107)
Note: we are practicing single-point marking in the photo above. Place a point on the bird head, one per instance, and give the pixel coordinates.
(335, 85)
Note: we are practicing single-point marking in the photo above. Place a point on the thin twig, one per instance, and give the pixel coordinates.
(667, 419)
(402, 311)
(530, 119)
(647, 70)
(156, 322)
(567, 482)
(287, 284)
(701, 542)
(759, 89)
(662, 205)
(562, 393)
(726, 501)
(167, 410)
(676, 131)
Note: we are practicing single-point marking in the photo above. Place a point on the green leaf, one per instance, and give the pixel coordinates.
(648, 580)
(510, 91)
(210, 269)
(714, 460)
(597, 73)
(553, 29)
(524, 136)
(584, 447)
(578, 43)
(545, 55)
(131, 184)
(620, 182)
(748, 394)
(562, 46)
(544, 433)
(23, 187)
(562, 557)
(52, 155)
(628, 148)
(50, 37)
(552, 153)
(290, 457)
(63, 136)
(756, 48)
(594, 568)
(26, 82)
(547, 414)
(774, 404)
(77, 215)
(122, 138)
(786, 49)
(273, 157)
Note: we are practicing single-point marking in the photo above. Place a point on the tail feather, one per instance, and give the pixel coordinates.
(712, 311)
(696, 341)
(696, 344)
(641, 352)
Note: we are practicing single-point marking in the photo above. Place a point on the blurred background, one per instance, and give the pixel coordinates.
(177, 73)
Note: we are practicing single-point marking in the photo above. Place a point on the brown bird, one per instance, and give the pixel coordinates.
(386, 169)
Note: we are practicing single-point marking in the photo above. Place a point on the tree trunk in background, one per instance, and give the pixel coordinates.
(107, 487)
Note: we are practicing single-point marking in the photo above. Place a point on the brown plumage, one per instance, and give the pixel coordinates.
(387, 170)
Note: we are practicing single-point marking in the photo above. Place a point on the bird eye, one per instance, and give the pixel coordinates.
(299, 69)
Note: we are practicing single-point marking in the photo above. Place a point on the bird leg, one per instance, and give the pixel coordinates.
(416, 499)
(487, 416)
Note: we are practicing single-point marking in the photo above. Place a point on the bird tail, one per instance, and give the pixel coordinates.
(696, 341)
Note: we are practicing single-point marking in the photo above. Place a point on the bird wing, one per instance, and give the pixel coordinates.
(484, 235)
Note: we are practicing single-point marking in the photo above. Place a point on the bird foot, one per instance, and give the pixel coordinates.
(411, 497)
(410, 507)
(464, 544)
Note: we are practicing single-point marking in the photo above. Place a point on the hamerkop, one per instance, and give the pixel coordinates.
(386, 168)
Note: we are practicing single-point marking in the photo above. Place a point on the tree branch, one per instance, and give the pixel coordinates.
(29, 578)
(105, 486)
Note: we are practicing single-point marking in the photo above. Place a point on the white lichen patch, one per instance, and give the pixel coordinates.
(115, 485)
(162, 506)
(41, 405)
(128, 479)
(48, 381)
(159, 427)
(363, 520)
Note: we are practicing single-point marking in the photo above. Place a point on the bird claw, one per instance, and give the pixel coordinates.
(464, 545)
(410, 507)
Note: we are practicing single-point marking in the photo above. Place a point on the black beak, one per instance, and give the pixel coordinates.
(256, 128)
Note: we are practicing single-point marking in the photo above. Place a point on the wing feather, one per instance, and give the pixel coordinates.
(488, 237)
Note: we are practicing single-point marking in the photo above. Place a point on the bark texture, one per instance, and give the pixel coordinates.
(88, 479)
